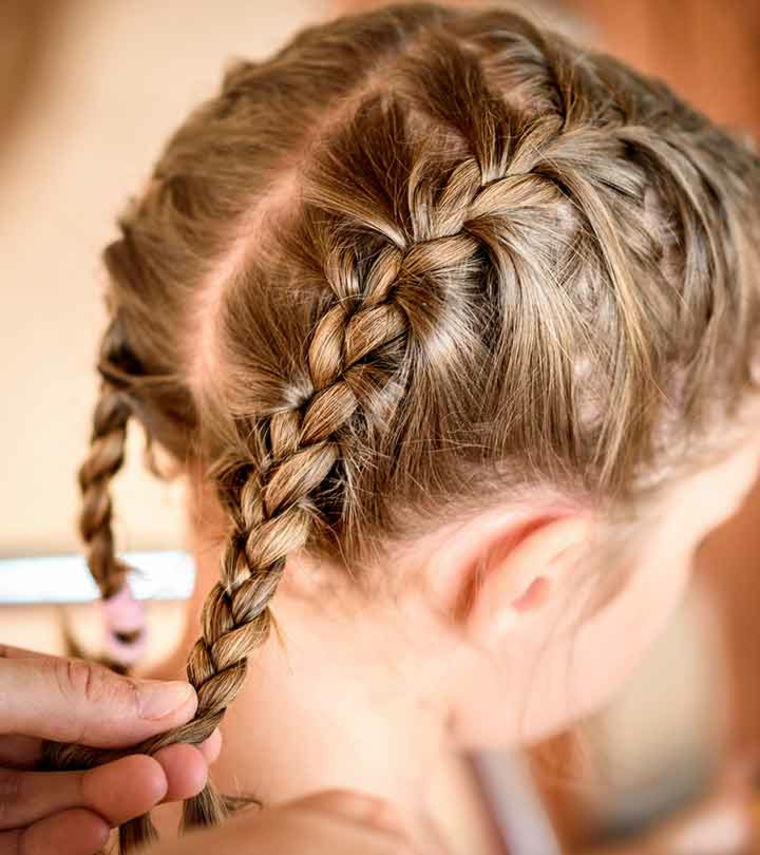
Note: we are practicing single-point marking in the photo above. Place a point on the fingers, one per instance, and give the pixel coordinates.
(124, 789)
(185, 769)
(211, 748)
(186, 766)
(73, 832)
(69, 700)
(24, 752)
(117, 791)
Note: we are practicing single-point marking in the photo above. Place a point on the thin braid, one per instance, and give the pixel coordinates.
(123, 617)
(106, 457)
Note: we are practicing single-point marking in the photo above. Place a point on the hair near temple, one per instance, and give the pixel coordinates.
(415, 261)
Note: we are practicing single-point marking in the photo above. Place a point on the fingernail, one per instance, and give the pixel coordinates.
(156, 700)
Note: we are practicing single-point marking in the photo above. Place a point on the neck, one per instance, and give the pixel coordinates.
(323, 710)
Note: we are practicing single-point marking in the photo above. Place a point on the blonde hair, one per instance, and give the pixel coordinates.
(418, 259)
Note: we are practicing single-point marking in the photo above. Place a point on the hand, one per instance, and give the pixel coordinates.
(68, 700)
(333, 823)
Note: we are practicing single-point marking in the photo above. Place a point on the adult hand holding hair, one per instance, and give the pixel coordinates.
(71, 813)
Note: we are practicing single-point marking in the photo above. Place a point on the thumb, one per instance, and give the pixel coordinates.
(70, 700)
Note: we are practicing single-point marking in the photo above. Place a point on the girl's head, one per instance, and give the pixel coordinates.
(449, 312)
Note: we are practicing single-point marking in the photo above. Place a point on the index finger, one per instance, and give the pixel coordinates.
(69, 700)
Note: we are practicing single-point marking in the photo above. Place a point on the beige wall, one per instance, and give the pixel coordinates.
(118, 77)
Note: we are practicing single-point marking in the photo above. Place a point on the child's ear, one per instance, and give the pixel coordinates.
(499, 572)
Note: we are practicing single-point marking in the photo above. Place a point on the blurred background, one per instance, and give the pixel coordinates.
(88, 92)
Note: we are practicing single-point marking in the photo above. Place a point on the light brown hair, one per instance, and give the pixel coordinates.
(418, 260)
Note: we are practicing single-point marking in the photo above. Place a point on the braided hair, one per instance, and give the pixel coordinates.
(417, 259)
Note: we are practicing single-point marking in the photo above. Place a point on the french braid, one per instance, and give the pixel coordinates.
(458, 296)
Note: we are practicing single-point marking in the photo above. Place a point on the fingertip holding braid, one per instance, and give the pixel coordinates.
(458, 295)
